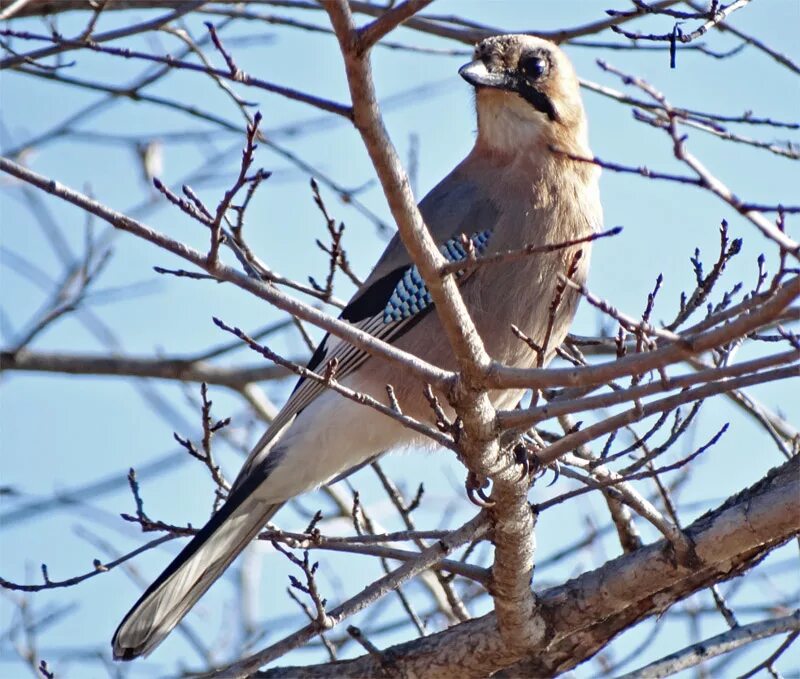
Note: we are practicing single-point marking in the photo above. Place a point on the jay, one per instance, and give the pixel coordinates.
(512, 190)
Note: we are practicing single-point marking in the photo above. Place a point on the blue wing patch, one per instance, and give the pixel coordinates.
(410, 296)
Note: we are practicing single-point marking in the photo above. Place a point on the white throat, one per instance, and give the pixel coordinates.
(504, 130)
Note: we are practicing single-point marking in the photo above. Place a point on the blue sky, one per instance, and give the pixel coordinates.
(60, 432)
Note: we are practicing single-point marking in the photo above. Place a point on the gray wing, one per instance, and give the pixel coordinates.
(394, 296)
(454, 206)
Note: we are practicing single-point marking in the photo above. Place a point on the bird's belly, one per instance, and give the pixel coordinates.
(525, 302)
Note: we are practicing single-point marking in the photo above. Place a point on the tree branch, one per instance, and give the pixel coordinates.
(166, 368)
(269, 293)
(721, 643)
(581, 616)
(479, 447)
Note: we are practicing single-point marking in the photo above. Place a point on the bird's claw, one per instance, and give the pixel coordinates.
(479, 498)
(527, 459)
(523, 459)
(556, 472)
(475, 491)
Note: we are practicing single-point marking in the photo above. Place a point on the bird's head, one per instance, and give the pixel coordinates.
(526, 94)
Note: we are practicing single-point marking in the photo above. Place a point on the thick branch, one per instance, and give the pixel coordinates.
(474, 528)
(450, 308)
(584, 614)
(512, 519)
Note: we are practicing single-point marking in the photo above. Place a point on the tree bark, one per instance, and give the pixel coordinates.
(584, 614)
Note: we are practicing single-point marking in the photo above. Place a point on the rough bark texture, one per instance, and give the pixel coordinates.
(584, 614)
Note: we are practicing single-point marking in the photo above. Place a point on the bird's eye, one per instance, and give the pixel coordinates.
(533, 66)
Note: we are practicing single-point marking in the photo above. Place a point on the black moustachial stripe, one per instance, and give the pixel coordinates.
(541, 102)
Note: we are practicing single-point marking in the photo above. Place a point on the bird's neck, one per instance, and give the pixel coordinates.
(527, 149)
(506, 137)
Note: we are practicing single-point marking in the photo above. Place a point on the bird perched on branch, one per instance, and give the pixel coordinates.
(517, 187)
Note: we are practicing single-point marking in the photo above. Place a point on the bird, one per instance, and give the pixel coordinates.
(520, 185)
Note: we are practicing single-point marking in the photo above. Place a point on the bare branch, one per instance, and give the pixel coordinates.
(65, 45)
(329, 381)
(165, 368)
(267, 292)
(578, 618)
(752, 314)
(374, 31)
(722, 643)
(99, 567)
(433, 554)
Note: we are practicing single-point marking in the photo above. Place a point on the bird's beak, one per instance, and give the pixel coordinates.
(477, 75)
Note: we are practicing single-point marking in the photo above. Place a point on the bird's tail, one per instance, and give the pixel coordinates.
(191, 573)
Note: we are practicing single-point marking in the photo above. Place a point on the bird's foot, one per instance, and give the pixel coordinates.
(475, 490)
(525, 459)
